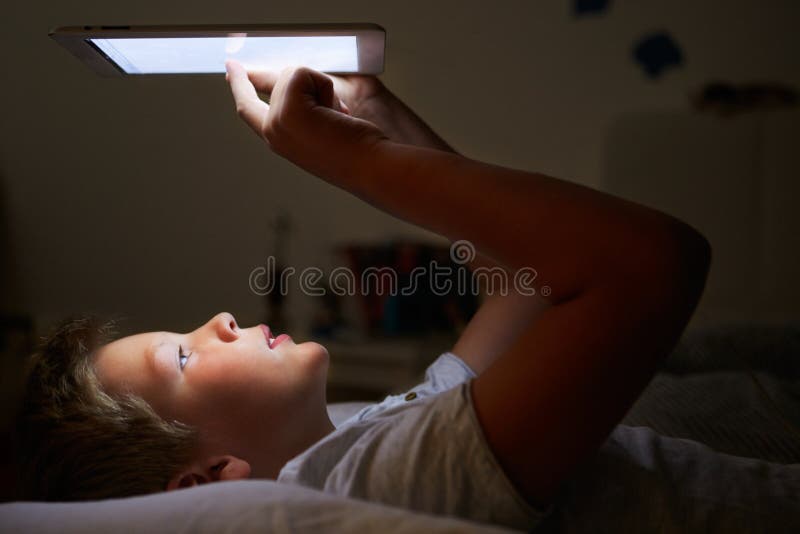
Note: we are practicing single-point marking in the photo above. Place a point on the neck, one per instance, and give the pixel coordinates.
(269, 460)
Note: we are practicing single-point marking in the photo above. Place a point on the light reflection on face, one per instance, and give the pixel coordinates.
(224, 380)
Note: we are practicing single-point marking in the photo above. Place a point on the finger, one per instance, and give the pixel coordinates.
(325, 89)
(342, 87)
(344, 93)
(252, 109)
(316, 87)
(266, 81)
(335, 93)
(263, 80)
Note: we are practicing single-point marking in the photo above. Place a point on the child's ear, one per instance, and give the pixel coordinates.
(211, 470)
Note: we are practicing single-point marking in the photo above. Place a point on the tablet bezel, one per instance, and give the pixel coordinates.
(371, 41)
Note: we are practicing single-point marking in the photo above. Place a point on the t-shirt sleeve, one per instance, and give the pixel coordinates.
(446, 372)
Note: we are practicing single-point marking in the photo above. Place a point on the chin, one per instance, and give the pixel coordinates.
(315, 354)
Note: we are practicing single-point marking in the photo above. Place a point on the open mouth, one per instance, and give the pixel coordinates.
(273, 342)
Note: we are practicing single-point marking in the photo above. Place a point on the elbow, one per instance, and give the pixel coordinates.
(698, 256)
(665, 266)
(693, 257)
(683, 257)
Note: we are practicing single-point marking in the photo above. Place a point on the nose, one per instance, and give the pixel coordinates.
(224, 326)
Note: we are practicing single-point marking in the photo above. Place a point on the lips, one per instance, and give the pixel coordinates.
(280, 339)
(272, 342)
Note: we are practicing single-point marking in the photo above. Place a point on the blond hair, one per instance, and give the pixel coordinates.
(76, 442)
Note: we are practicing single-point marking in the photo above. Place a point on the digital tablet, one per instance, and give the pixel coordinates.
(138, 50)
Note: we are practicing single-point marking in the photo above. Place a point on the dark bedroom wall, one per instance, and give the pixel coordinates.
(150, 199)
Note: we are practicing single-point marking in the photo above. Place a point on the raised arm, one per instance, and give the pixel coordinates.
(623, 279)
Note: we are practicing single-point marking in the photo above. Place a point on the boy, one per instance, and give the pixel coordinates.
(532, 388)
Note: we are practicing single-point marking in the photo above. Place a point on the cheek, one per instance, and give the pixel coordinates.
(239, 381)
(220, 397)
(244, 380)
(229, 373)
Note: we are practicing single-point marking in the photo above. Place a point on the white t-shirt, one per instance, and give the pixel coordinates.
(423, 450)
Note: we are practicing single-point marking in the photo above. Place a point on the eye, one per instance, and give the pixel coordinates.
(182, 357)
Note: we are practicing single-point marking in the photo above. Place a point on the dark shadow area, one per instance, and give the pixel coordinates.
(16, 342)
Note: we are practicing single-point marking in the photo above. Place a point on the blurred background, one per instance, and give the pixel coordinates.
(148, 199)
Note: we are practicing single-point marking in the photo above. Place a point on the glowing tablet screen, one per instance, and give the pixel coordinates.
(185, 55)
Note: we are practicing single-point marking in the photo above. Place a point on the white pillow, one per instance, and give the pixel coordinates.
(236, 506)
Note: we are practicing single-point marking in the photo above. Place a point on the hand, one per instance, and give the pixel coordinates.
(358, 92)
(305, 121)
(367, 98)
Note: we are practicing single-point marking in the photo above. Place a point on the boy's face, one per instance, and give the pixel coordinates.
(234, 384)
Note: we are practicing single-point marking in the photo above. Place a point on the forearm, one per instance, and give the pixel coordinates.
(495, 327)
(501, 317)
(571, 235)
